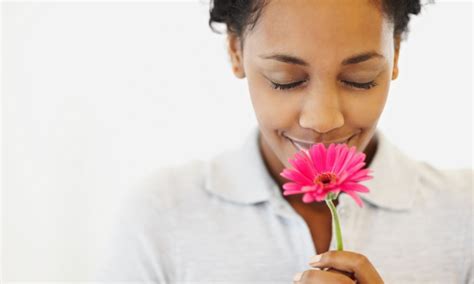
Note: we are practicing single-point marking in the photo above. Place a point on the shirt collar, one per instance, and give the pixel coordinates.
(241, 176)
(395, 177)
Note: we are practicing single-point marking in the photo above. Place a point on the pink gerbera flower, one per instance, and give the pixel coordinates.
(321, 173)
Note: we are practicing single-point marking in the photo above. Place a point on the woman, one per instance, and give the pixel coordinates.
(317, 71)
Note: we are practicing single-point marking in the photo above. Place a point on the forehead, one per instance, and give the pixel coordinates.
(326, 27)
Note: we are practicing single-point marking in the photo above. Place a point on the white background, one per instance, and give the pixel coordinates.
(97, 95)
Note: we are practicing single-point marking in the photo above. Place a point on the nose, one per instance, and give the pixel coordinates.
(321, 111)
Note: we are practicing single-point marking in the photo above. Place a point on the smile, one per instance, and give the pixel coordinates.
(306, 146)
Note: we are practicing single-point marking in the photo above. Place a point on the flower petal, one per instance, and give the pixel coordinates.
(351, 171)
(360, 174)
(341, 153)
(330, 156)
(362, 178)
(295, 176)
(320, 197)
(355, 197)
(291, 192)
(302, 163)
(292, 186)
(351, 186)
(347, 160)
(308, 197)
(309, 188)
(318, 156)
(358, 157)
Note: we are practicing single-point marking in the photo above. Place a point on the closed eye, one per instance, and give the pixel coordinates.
(286, 86)
(356, 85)
(365, 86)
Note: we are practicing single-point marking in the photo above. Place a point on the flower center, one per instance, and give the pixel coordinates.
(325, 179)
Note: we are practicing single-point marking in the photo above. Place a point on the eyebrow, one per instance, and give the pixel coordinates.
(286, 58)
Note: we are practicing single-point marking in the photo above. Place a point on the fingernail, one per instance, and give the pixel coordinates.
(315, 258)
(298, 276)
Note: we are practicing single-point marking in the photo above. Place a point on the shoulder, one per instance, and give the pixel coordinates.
(446, 201)
(447, 180)
(142, 236)
(447, 186)
(167, 187)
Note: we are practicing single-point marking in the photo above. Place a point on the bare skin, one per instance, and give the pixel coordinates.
(332, 96)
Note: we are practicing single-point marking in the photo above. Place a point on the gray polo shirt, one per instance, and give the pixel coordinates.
(224, 220)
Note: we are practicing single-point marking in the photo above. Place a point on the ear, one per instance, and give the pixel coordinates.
(235, 54)
(397, 40)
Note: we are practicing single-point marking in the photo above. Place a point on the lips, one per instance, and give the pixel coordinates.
(306, 146)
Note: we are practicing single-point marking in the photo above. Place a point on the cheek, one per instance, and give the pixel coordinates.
(272, 108)
(363, 113)
(364, 109)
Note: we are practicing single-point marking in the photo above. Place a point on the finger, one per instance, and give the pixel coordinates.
(299, 276)
(341, 260)
(334, 270)
(321, 277)
(351, 262)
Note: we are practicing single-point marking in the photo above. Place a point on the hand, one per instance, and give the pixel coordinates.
(344, 267)
(330, 276)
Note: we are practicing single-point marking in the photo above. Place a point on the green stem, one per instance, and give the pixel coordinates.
(335, 219)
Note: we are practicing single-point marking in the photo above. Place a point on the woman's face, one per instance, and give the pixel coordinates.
(334, 60)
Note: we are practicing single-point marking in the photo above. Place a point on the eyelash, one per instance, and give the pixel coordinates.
(364, 86)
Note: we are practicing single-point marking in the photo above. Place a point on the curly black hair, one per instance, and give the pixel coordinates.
(240, 15)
